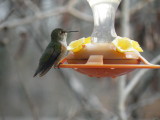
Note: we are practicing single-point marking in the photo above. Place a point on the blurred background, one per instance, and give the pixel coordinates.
(25, 27)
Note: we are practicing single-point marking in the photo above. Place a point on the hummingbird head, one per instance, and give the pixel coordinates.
(59, 34)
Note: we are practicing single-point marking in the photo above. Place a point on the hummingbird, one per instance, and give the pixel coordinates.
(54, 52)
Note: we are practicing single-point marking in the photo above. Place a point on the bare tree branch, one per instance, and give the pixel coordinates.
(89, 102)
(128, 89)
(136, 8)
(8, 15)
(144, 102)
(32, 19)
(29, 100)
(80, 15)
(66, 9)
(32, 6)
(69, 8)
(121, 106)
(136, 79)
(125, 32)
(139, 6)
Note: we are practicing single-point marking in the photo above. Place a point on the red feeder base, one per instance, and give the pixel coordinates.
(102, 60)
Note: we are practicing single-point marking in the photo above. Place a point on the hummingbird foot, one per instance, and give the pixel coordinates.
(58, 66)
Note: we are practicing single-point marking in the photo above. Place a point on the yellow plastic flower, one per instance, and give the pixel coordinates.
(77, 45)
(124, 44)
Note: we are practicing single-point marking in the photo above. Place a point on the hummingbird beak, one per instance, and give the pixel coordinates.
(71, 31)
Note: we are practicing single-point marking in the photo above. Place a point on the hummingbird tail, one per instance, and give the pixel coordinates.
(44, 72)
(41, 72)
(35, 73)
(39, 69)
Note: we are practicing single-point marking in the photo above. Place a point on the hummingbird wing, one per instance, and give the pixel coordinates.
(47, 59)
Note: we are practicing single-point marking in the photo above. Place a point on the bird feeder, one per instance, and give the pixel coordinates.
(104, 54)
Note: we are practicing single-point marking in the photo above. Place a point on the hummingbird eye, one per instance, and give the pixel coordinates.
(61, 32)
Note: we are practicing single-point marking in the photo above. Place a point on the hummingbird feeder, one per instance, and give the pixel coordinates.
(104, 54)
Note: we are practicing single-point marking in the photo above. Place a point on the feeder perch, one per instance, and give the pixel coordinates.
(103, 54)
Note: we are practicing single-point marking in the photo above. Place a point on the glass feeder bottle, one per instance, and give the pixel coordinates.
(104, 16)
